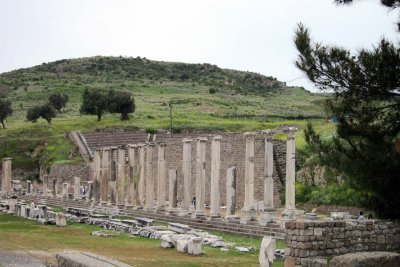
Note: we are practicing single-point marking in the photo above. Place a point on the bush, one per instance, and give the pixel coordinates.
(212, 90)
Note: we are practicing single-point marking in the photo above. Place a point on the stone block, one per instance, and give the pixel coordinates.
(182, 245)
(194, 246)
(60, 219)
(267, 249)
(366, 259)
(290, 262)
(86, 259)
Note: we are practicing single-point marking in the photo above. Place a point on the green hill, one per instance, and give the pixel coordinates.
(203, 96)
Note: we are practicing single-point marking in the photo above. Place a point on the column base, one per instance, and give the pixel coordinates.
(267, 217)
(247, 215)
(121, 205)
(215, 218)
(128, 206)
(184, 213)
(199, 215)
(172, 212)
(149, 209)
(232, 218)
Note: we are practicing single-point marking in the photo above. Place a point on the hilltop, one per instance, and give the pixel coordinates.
(203, 97)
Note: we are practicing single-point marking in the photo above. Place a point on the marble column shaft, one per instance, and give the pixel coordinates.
(121, 176)
(200, 175)
(7, 173)
(105, 175)
(215, 171)
(249, 172)
(112, 184)
(28, 187)
(130, 197)
(187, 173)
(90, 191)
(268, 171)
(77, 188)
(45, 184)
(231, 175)
(149, 176)
(161, 172)
(173, 189)
(54, 187)
(96, 175)
(141, 180)
(290, 171)
(65, 189)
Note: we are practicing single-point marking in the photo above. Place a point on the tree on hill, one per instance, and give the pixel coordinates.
(58, 101)
(5, 110)
(367, 103)
(94, 102)
(45, 111)
(121, 102)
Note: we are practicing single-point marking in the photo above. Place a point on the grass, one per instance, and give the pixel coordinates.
(22, 234)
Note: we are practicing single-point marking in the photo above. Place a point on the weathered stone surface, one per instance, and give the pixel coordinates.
(179, 228)
(86, 259)
(60, 219)
(266, 256)
(182, 245)
(105, 233)
(366, 259)
(194, 246)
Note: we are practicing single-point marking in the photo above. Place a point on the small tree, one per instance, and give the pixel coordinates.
(121, 102)
(5, 110)
(58, 101)
(45, 111)
(94, 102)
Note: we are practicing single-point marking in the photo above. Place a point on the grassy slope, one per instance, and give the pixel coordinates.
(22, 234)
(244, 101)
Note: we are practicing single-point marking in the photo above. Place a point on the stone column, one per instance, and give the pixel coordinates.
(54, 187)
(173, 191)
(200, 178)
(290, 206)
(187, 176)
(96, 175)
(29, 187)
(231, 176)
(7, 173)
(268, 214)
(45, 183)
(141, 180)
(248, 213)
(130, 197)
(149, 176)
(112, 185)
(121, 177)
(65, 190)
(161, 177)
(90, 191)
(105, 175)
(77, 188)
(215, 170)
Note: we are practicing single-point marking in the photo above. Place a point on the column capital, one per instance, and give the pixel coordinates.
(5, 159)
(162, 144)
(150, 144)
(201, 139)
(106, 148)
(249, 135)
(216, 138)
(291, 132)
(187, 140)
(131, 145)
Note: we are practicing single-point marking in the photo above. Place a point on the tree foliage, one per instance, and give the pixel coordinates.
(45, 111)
(58, 101)
(367, 103)
(5, 110)
(121, 102)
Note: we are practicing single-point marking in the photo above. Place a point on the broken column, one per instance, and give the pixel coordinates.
(149, 176)
(130, 197)
(161, 177)
(215, 170)
(7, 173)
(268, 214)
(96, 175)
(187, 176)
(54, 187)
(112, 184)
(45, 182)
(290, 206)
(141, 180)
(90, 191)
(267, 250)
(65, 189)
(231, 175)
(105, 175)
(121, 177)
(200, 178)
(77, 188)
(29, 187)
(173, 191)
(248, 213)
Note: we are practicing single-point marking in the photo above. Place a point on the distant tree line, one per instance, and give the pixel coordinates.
(98, 102)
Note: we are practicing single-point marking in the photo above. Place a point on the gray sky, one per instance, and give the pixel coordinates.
(253, 35)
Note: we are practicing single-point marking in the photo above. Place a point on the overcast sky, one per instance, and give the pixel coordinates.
(253, 35)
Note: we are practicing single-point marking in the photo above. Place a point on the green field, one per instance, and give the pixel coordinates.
(27, 235)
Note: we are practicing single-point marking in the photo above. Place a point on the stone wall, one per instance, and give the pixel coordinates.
(327, 209)
(307, 241)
